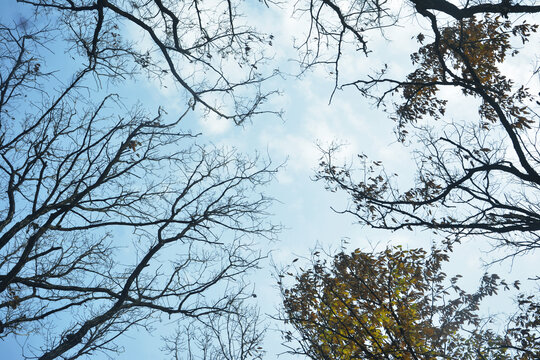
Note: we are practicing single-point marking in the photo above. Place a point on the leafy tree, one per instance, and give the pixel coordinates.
(399, 304)
(475, 176)
(114, 217)
(478, 176)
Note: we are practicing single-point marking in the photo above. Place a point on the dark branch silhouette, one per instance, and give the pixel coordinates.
(474, 177)
(112, 218)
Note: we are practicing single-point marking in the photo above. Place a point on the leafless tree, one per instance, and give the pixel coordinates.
(113, 218)
(231, 336)
(207, 47)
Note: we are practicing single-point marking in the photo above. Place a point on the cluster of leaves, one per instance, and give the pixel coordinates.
(525, 327)
(397, 304)
(468, 55)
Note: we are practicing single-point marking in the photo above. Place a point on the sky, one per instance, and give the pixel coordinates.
(303, 206)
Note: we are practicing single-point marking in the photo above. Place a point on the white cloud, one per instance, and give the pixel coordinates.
(214, 125)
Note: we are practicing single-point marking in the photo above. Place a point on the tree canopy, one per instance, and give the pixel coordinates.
(112, 214)
(399, 304)
(476, 177)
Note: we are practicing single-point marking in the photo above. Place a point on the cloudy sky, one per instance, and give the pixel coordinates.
(309, 120)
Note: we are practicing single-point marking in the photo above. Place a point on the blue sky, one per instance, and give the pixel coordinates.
(303, 206)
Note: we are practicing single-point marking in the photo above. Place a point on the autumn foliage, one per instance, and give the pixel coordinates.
(399, 304)
(466, 54)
